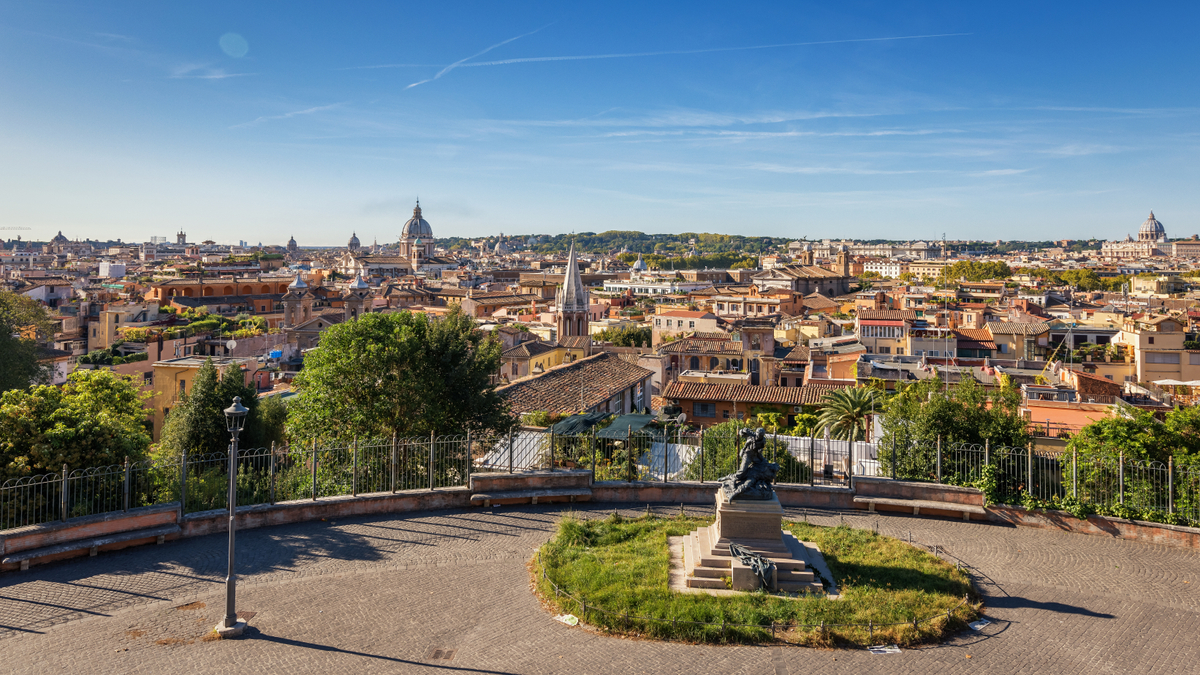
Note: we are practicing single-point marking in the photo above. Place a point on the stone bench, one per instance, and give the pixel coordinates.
(917, 504)
(537, 487)
(531, 496)
(91, 544)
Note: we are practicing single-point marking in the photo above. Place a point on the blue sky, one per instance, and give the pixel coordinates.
(263, 120)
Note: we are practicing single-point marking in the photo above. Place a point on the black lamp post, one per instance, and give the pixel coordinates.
(235, 418)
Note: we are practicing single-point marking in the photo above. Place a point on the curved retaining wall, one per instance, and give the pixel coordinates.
(264, 515)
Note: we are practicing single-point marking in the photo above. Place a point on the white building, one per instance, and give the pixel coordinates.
(112, 270)
(1151, 241)
(886, 268)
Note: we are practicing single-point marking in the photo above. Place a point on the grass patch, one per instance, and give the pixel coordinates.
(620, 566)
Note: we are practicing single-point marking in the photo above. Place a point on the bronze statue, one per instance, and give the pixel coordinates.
(755, 474)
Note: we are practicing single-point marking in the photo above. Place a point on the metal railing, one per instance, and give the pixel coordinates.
(1109, 485)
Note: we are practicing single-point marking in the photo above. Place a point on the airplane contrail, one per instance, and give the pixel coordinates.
(536, 59)
(460, 62)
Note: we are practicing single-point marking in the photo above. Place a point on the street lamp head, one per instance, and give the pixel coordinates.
(235, 415)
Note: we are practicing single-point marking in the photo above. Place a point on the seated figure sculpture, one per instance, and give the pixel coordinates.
(755, 474)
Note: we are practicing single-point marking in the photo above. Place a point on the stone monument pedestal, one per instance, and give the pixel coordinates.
(757, 525)
(757, 519)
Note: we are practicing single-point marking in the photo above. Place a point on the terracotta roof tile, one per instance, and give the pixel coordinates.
(559, 390)
(809, 394)
(695, 346)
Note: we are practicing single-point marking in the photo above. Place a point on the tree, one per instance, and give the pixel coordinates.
(95, 419)
(197, 424)
(23, 324)
(847, 412)
(628, 336)
(404, 374)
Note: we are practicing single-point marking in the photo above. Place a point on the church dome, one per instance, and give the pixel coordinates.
(416, 226)
(60, 239)
(1151, 230)
(353, 243)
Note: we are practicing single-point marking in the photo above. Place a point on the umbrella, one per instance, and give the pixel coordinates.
(1169, 383)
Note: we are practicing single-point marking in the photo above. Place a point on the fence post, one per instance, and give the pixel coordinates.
(812, 462)
(470, 458)
(666, 453)
(126, 490)
(1075, 474)
(1171, 484)
(394, 462)
(551, 447)
(64, 493)
(893, 455)
(850, 469)
(1121, 476)
(314, 469)
(629, 446)
(593, 438)
(512, 438)
(182, 485)
(272, 472)
(1029, 469)
(354, 468)
(939, 458)
(432, 438)
(987, 452)
(701, 454)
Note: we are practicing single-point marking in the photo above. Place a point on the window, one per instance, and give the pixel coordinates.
(1162, 358)
(783, 381)
(900, 351)
(1108, 377)
(726, 414)
(182, 386)
(514, 368)
(885, 350)
(704, 409)
(1151, 339)
(658, 322)
(933, 352)
(714, 363)
(691, 324)
(694, 363)
(1194, 359)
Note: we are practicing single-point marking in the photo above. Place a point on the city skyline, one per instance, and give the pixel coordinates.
(902, 123)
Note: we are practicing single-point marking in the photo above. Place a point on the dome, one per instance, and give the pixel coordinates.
(640, 265)
(358, 284)
(1151, 230)
(353, 243)
(416, 226)
(60, 239)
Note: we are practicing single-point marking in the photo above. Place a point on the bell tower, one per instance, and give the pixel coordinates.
(571, 302)
(356, 298)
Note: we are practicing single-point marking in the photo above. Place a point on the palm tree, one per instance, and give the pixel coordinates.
(847, 412)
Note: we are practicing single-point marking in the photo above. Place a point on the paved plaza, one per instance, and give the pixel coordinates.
(449, 592)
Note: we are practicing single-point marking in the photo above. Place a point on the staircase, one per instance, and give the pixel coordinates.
(707, 563)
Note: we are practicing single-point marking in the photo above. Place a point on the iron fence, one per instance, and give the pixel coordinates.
(1113, 485)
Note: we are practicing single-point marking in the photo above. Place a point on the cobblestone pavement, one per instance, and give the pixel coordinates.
(448, 591)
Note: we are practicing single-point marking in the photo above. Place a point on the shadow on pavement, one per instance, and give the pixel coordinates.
(254, 634)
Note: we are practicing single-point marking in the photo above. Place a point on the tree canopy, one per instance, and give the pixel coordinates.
(198, 425)
(23, 323)
(1140, 436)
(847, 412)
(95, 419)
(401, 373)
(962, 413)
(970, 270)
(629, 336)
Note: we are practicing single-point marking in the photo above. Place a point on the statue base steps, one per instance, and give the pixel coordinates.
(757, 525)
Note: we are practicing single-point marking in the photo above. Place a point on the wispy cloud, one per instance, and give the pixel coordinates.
(1001, 172)
(198, 71)
(114, 36)
(710, 50)
(460, 62)
(287, 115)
